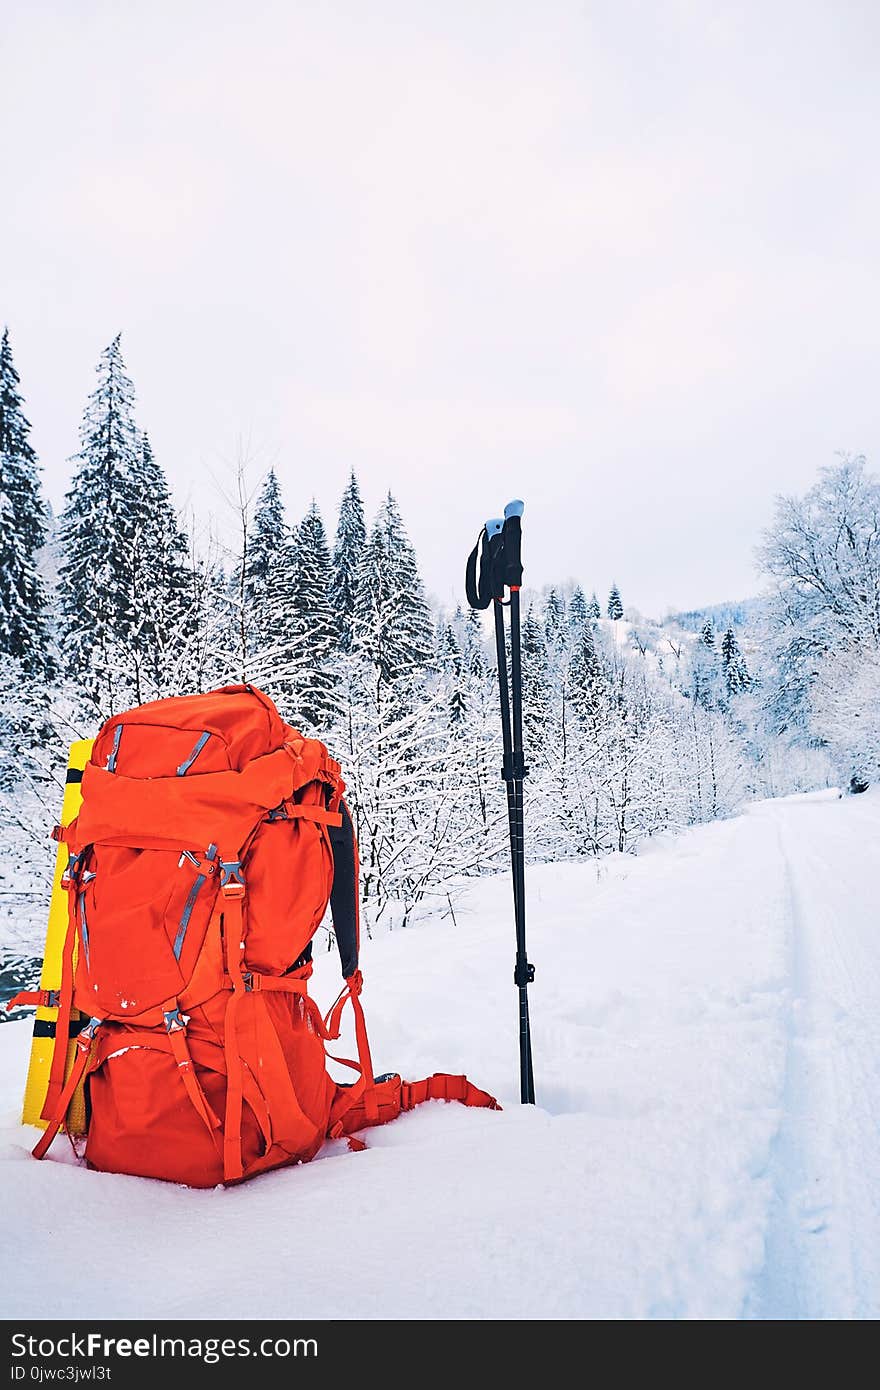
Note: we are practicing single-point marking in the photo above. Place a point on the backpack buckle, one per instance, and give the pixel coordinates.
(70, 876)
(86, 1035)
(175, 1021)
(231, 878)
(252, 983)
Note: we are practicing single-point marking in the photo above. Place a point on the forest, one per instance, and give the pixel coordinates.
(634, 726)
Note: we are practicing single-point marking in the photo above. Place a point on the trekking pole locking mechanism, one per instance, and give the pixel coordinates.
(523, 974)
(513, 766)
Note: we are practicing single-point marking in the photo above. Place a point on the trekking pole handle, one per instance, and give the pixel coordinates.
(512, 541)
(496, 567)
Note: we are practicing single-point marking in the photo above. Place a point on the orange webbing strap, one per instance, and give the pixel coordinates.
(441, 1086)
(346, 1098)
(272, 1060)
(365, 1087)
(85, 1049)
(58, 1064)
(230, 901)
(322, 814)
(175, 1023)
(42, 998)
(275, 984)
(204, 1054)
(288, 1116)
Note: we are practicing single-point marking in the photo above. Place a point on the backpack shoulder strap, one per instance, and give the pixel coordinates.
(344, 893)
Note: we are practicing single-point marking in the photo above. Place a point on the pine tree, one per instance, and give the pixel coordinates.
(594, 609)
(268, 546)
(97, 533)
(615, 606)
(414, 612)
(23, 517)
(316, 625)
(706, 685)
(474, 645)
(535, 695)
(453, 663)
(554, 619)
(733, 663)
(585, 677)
(348, 553)
(578, 612)
(159, 581)
(392, 626)
(266, 584)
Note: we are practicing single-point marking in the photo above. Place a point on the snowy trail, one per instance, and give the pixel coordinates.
(704, 1146)
(823, 1244)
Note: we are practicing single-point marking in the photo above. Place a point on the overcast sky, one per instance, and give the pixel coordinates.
(617, 259)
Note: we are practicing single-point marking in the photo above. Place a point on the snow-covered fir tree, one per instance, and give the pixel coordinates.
(615, 605)
(578, 611)
(317, 697)
(733, 663)
(554, 619)
(392, 621)
(97, 534)
(474, 645)
(585, 678)
(594, 608)
(348, 553)
(24, 628)
(157, 573)
(264, 586)
(451, 659)
(706, 685)
(535, 690)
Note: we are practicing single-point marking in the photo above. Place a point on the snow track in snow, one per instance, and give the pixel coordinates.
(823, 1239)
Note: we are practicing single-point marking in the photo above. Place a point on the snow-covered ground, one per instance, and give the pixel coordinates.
(706, 1027)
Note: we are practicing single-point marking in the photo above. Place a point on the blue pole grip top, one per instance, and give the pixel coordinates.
(515, 508)
(494, 527)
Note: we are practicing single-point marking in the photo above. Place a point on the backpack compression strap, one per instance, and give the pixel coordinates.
(396, 1096)
(230, 903)
(363, 1091)
(442, 1086)
(85, 1051)
(62, 1084)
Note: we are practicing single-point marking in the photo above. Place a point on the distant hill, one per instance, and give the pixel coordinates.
(740, 614)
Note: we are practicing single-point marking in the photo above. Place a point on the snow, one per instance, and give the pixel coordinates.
(704, 1146)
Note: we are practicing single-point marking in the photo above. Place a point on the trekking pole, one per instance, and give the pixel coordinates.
(498, 550)
(524, 973)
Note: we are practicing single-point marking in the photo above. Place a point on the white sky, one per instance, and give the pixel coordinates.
(617, 259)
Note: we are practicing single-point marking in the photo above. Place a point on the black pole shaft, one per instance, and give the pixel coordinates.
(507, 741)
(524, 972)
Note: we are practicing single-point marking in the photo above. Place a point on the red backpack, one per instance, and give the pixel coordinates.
(200, 869)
